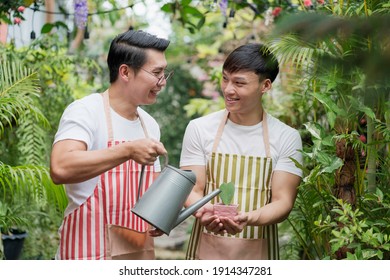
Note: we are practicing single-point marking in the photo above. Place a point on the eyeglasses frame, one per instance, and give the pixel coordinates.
(160, 79)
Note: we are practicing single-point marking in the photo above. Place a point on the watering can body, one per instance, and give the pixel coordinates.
(162, 204)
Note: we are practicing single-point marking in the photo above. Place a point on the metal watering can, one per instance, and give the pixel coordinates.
(161, 205)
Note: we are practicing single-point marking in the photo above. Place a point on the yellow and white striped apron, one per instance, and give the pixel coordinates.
(252, 179)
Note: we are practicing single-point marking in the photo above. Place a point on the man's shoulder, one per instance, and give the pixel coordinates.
(91, 101)
(93, 98)
(146, 117)
(278, 124)
(282, 131)
(209, 119)
(89, 105)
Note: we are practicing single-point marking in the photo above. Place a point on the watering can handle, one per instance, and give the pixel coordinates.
(165, 161)
(142, 174)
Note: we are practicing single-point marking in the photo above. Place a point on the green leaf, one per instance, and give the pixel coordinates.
(315, 130)
(59, 24)
(192, 11)
(168, 8)
(328, 103)
(185, 2)
(334, 165)
(5, 19)
(328, 141)
(46, 28)
(356, 104)
(227, 192)
(331, 118)
(201, 22)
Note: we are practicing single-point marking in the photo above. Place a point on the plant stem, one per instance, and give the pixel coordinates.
(371, 155)
(365, 8)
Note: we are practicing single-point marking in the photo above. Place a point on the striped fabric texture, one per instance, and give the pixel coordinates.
(252, 179)
(83, 231)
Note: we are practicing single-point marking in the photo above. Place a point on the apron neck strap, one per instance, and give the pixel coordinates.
(106, 104)
(266, 135)
(222, 126)
(220, 130)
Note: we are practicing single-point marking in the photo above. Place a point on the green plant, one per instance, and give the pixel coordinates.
(13, 8)
(227, 193)
(10, 216)
(340, 81)
(354, 235)
(55, 79)
(27, 184)
(42, 242)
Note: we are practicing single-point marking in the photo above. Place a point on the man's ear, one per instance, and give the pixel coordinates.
(266, 85)
(126, 72)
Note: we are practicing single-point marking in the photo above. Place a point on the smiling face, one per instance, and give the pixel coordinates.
(242, 92)
(248, 72)
(145, 83)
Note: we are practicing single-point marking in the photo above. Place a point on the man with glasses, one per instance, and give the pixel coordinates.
(103, 142)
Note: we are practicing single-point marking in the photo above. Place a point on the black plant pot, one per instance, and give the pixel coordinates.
(13, 244)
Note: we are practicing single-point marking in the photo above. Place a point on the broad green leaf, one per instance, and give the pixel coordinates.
(168, 8)
(46, 28)
(185, 2)
(357, 105)
(334, 165)
(201, 22)
(192, 11)
(315, 130)
(227, 192)
(61, 24)
(328, 103)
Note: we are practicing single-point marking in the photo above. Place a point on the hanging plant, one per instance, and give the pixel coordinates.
(13, 9)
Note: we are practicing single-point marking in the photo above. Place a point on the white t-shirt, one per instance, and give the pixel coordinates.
(285, 142)
(85, 120)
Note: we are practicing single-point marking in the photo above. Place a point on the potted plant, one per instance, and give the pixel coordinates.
(12, 231)
(226, 208)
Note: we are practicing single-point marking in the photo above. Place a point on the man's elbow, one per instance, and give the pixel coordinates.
(57, 175)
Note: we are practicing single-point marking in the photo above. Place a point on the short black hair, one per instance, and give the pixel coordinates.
(252, 57)
(129, 48)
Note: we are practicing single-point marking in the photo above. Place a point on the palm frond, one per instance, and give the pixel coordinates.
(31, 141)
(31, 180)
(290, 49)
(311, 203)
(8, 218)
(18, 87)
(349, 42)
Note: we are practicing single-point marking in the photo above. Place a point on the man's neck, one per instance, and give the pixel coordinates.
(247, 119)
(121, 105)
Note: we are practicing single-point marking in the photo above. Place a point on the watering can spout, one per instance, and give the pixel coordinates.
(185, 213)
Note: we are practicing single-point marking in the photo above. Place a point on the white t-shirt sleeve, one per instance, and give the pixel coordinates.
(192, 152)
(290, 147)
(77, 124)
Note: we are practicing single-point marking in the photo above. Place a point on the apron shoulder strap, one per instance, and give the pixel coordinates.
(265, 133)
(106, 104)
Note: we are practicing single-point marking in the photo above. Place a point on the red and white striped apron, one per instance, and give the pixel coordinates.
(104, 227)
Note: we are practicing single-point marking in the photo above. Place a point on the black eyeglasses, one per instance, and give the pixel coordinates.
(165, 76)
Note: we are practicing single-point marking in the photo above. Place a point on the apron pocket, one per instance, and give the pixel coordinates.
(127, 244)
(214, 247)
